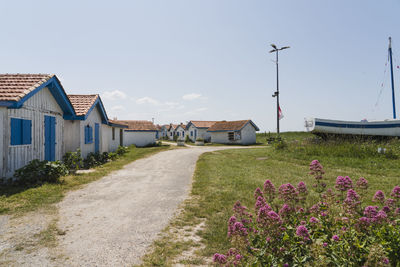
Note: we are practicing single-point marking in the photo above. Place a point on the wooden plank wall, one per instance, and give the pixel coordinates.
(35, 108)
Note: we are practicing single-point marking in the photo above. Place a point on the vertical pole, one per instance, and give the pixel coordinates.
(391, 72)
(277, 93)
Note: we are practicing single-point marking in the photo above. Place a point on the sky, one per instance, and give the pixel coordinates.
(181, 60)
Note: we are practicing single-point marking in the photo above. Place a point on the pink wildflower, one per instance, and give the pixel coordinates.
(316, 169)
(219, 258)
(314, 220)
(269, 190)
(302, 232)
(371, 211)
(285, 211)
(379, 197)
(260, 203)
(362, 183)
(335, 238)
(302, 188)
(258, 193)
(288, 192)
(396, 192)
(343, 183)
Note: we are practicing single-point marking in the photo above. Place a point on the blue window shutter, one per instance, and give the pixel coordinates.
(16, 131)
(26, 132)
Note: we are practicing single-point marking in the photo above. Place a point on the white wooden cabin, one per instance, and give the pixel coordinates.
(198, 129)
(233, 132)
(171, 131)
(164, 130)
(180, 132)
(32, 107)
(139, 133)
(87, 130)
(113, 135)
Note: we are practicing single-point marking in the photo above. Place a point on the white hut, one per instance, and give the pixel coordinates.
(113, 135)
(139, 133)
(85, 129)
(164, 130)
(32, 107)
(198, 129)
(171, 131)
(233, 132)
(180, 131)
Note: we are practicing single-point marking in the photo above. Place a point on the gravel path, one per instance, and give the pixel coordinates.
(112, 221)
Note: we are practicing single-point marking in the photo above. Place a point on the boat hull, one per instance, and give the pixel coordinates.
(373, 128)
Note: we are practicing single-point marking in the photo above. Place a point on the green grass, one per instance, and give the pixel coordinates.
(223, 177)
(18, 200)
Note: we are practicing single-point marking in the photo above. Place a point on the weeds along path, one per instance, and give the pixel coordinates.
(112, 221)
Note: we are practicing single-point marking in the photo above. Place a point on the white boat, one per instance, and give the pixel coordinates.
(390, 127)
(368, 128)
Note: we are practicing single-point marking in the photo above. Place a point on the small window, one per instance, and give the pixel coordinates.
(231, 136)
(88, 135)
(183, 134)
(191, 133)
(113, 133)
(177, 133)
(21, 132)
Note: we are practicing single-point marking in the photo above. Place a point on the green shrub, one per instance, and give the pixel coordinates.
(121, 150)
(91, 160)
(73, 160)
(175, 137)
(187, 139)
(39, 172)
(112, 156)
(280, 144)
(199, 139)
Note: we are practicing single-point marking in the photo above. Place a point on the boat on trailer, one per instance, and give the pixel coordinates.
(389, 127)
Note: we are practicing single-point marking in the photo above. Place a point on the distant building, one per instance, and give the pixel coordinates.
(234, 132)
(171, 131)
(180, 131)
(198, 129)
(139, 133)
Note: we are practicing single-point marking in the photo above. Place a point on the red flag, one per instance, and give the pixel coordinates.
(280, 113)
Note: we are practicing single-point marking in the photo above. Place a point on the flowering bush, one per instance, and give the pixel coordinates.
(337, 230)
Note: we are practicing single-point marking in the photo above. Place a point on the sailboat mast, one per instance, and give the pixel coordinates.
(391, 72)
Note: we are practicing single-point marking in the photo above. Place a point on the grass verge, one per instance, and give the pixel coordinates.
(223, 177)
(18, 200)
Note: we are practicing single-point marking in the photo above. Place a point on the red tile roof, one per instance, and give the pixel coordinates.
(82, 103)
(203, 124)
(13, 87)
(138, 125)
(230, 125)
(182, 125)
(117, 123)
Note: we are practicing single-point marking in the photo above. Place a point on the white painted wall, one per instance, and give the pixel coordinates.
(182, 133)
(139, 138)
(171, 133)
(201, 133)
(71, 135)
(3, 112)
(248, 136)
(34, 109)
(94, 117)
(110, 145)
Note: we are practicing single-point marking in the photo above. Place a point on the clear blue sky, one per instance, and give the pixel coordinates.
(208, 60)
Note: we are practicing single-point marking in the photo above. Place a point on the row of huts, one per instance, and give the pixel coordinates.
(241, 132)
(38, 120)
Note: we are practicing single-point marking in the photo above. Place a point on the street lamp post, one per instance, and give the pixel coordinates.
(276, 94)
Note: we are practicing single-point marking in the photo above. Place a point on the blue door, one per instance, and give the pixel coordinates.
(195, 134)
(96, 137)
(49, 138)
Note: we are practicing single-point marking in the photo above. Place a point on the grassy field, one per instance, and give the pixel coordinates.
(17, 200)
(223, 177)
